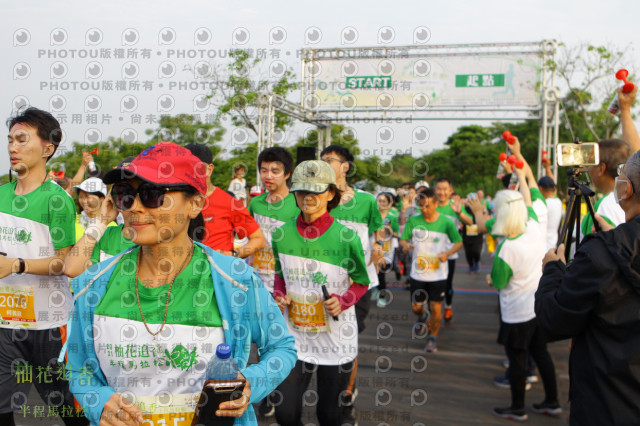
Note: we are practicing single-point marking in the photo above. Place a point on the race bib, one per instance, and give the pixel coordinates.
(428, 262)
(472, 230)
(386, 246)
(17, 305)
(168, 410)
(307, 314)
(263, 260)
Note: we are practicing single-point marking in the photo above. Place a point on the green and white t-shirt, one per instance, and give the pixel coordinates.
(608, 209)
(270, 216)
(362, 215)
(389, 242)
(305, 265)
(34, 226)
(165, 373)
(447, 210)
(112, 242)
(516, 271)
(429, 239)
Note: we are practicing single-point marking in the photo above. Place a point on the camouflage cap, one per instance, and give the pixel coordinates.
(312, 176)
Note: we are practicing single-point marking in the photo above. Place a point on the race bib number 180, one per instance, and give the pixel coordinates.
(307, 315)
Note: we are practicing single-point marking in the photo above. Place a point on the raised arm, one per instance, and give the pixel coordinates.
(629, 131)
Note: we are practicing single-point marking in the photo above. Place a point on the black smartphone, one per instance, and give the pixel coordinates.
(215, 392)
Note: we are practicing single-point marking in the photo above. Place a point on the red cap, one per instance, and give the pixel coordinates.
(166, 164)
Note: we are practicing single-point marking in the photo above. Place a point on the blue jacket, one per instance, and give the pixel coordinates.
(249, 314)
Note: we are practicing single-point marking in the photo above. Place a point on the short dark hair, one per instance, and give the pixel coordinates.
(612, 153)
(201, 151)
(280, 155)
(342, 152)
(443, 179)
(46, 125)
(389, 196)
(426, 193)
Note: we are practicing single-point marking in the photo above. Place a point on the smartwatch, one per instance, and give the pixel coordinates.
(21, 267)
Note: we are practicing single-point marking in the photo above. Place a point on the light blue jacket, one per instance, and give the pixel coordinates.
(249, 314)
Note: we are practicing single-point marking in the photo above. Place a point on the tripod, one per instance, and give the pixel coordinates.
(577, 190)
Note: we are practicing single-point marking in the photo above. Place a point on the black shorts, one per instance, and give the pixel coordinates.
(435, 290)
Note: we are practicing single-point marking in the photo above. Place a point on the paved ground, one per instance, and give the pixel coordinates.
(400, 384)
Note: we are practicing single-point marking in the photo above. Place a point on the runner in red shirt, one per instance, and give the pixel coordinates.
(223, 215)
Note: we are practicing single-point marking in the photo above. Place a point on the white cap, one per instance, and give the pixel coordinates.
(93, 185)
(422, 183)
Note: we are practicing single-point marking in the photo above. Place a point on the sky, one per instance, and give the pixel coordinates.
(43, 43)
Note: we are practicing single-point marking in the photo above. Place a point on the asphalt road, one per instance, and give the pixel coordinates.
(400, 384)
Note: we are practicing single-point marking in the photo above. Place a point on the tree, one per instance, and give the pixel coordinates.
(588, 72)
(239, 84)
(184, 128)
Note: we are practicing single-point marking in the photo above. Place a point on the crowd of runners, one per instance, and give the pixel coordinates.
(119, 307)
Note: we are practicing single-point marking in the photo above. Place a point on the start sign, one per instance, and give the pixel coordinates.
(369, 82)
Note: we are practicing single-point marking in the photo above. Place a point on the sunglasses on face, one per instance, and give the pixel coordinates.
(151, 196)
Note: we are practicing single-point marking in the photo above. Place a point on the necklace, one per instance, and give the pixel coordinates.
(166, 306)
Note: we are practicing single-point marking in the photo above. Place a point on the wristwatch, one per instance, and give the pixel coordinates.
(234, 253)
(21, 267)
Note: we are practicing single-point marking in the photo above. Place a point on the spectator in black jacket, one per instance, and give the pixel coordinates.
(596, 301)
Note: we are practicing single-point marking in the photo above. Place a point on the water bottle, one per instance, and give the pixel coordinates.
(222, 366)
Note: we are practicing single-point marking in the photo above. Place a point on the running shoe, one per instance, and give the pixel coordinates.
(518, 414)
(375, 294)
(503, 382)
(448, 315)
(548, 408)
(420, 327)
(532, 378)
(431, 345)
(382, 301)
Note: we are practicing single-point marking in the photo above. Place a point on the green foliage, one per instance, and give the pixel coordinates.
(239, 93)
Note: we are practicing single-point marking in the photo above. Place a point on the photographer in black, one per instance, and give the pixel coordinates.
(596, 301)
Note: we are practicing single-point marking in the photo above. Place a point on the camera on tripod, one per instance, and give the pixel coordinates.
(577, 156)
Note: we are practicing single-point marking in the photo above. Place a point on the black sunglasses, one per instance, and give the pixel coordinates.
(151, 196)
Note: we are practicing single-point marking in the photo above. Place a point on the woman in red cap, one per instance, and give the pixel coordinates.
(149, 319)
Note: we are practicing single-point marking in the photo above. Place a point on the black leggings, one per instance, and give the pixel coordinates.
(382, 280)
(518, 370)
(332, 382)
(449, 291)
(472, 249)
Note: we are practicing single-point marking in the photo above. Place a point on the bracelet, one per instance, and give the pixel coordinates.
(96, 230)
(22, 266)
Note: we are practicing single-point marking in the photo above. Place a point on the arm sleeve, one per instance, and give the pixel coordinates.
(532, 214)
(276, 346)
(86, 380)
(243, 223)
(537, 195)
(501, 272)
(566, 296)
(453, 233)
(63, 219)
(407, 232)
(375, 218)
(352, 295)
(395, 227)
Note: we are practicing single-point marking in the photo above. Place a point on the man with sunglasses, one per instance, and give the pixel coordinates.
(596, 302)
(224, 215)
(37, 222)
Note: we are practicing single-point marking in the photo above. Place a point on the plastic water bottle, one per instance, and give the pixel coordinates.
(222, 366)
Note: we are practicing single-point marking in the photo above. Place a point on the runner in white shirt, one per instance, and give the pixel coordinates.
(37, 223)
